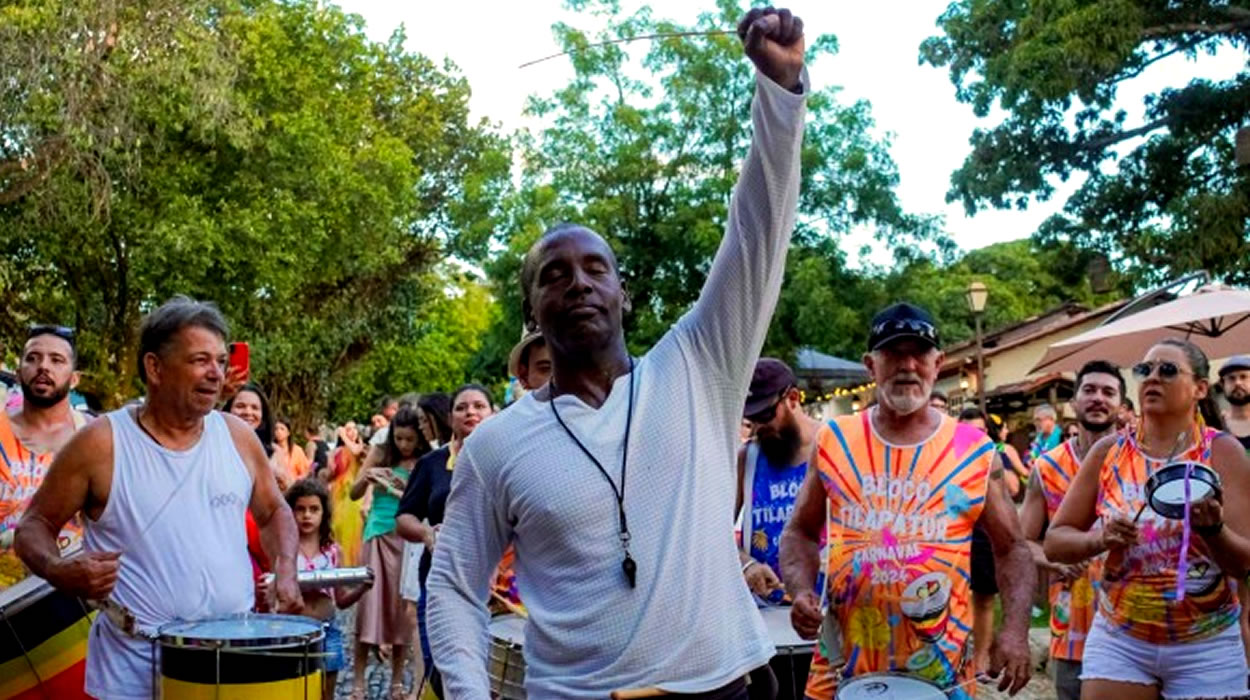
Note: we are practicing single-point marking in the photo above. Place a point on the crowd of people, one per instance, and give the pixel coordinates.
(597, 503)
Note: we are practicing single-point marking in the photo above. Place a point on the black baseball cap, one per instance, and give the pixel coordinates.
(900, 321)
(1235, 363)
(771, 377)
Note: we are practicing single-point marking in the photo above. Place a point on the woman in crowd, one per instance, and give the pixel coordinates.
(289, 455)
(252, 407)
(1167, 616)
(421, 511)
(349, 519)
(434, 411)
(382, 618)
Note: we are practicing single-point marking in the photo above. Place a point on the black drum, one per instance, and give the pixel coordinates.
(1165, 490)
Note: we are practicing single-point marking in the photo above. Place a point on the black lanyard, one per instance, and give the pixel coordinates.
(627, 565)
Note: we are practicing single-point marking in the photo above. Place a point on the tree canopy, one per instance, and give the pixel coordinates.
(1163, 194)
(263, 155)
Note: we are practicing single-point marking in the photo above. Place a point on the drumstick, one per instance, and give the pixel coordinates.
(512, 607)
(626, 39)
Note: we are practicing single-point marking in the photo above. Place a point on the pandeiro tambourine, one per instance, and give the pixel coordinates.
(1165, 489)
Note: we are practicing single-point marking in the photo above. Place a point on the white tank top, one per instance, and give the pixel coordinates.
(178, 518)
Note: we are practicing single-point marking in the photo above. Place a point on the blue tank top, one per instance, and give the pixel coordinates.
(774, 491)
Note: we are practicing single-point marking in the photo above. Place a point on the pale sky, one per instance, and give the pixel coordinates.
(914, 104)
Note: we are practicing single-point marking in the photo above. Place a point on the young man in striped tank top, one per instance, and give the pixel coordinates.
(1166, 624)
(163, 488)
(904, 486)
(1099, 393)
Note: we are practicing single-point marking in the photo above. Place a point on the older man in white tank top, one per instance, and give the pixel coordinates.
(164, 488)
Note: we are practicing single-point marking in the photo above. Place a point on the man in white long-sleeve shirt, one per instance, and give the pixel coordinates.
(625, 556)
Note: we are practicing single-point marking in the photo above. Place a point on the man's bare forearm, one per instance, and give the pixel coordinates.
(35, 544)
(800, 561)
(280, 539)
(1016, 573)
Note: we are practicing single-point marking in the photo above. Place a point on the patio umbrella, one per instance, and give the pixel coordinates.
(1215, 318)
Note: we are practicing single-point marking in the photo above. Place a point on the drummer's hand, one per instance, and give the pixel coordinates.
(264, 592)
(805, 615)
(1010, 661)
(289, 598)
(1118, 532)
(1208, 512)
(761, 579)
(90, 575)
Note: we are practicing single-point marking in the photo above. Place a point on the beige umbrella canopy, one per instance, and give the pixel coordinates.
(1215, 318)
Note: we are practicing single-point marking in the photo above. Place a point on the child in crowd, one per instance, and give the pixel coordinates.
(310, 504)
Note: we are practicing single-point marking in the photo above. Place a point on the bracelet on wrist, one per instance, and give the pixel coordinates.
(749, 564)
(1209, 530)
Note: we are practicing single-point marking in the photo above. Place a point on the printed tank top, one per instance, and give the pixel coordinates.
(901, 520)
(1071, 602)
(1138, 592)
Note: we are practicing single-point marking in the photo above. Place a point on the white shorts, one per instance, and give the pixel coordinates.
(1214, 667)
(409, 579)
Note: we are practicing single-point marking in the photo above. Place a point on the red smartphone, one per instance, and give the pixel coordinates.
(240, 359)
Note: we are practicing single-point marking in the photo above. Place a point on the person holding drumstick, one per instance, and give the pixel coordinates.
(164, 487)
(1163, 627)
(613, 480)
(900, 487)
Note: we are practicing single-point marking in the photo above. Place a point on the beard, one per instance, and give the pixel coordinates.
(44, 400)
(904, 404)
(1096, 428)
(781, 449)
(1238, 397)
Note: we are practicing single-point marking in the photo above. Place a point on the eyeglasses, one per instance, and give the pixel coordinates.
(1168, 371)
(63, 332)
(767, 414)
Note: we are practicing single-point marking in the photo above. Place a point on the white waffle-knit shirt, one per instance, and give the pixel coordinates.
(691, 624)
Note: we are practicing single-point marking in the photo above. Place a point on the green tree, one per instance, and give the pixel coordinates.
(265, 155)
(646, 153)
(1163, 193)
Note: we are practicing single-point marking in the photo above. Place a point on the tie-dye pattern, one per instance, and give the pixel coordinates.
(1071, 602)
(1138, 594)
(901, 520)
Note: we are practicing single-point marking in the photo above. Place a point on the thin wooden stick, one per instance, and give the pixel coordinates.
(623, 40)
(512, 607)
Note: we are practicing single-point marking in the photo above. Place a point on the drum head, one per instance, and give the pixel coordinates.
(509, 628)
(1166, 488)
(777, 620)
(239, 631)
(888, 686)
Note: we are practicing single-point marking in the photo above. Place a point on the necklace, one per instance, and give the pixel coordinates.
(627, 564)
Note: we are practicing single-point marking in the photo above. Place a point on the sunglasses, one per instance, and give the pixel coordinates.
(1168, 371)
(767, 414)
(63, 332)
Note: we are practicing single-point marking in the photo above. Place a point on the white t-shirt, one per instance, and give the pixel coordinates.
(690, 625)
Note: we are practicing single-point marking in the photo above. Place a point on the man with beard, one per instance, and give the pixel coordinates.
(1235, 381)
(903, 487)
(771, 468)
(32, 436)
(1099, 395)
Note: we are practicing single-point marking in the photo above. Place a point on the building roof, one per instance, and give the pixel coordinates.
(812, 364)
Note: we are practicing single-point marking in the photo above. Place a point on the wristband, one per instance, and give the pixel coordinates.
(749, 564)
(1209, 530)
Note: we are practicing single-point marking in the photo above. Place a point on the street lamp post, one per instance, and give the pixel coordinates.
(977, 296)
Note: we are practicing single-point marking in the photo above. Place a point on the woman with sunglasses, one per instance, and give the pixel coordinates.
(1167, 608)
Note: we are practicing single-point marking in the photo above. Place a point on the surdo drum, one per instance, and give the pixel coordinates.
(888, 686)
(242, 657)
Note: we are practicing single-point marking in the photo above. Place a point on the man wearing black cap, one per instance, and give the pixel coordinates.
(771, 468)
(904, 486)
(1235, 381)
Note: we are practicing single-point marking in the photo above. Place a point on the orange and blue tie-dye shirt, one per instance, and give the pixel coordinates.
(21, 473)
(1072, 603)
(901, 520)
(1138, 592)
